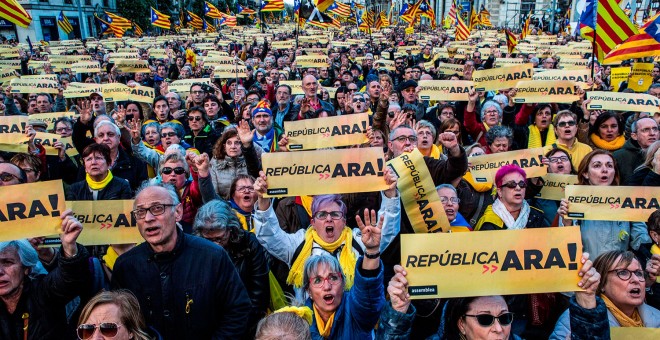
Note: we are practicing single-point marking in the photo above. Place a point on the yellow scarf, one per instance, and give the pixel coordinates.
(307, 203)
(614, 145)
(535, 141)
(110, 257)
(94, 185)
(623, 319)
(303, 312)
(655, 250)
(436, 151)
(486, 126)
(477, 186)
(346, 260)
(324, 327)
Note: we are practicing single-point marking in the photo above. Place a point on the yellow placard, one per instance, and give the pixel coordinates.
(445, 90)
(115, 92)
(33, 86)
(447, 265)
(229, 71)
(640, 77)
(508, 61)
(104, 222)
(572, 75)
(446, 68)
(554, 186)
(573, 63)
(324, 171)
(31, 210)
(183, 85)
(311, 61)
(618, 75)
(142, 94)
(344, 130)
(296, 86)
(132, 66)
(12, 133)
(620, 101)
(10, 63)
(501, 78)
(48, 139)
(81, 90)
(418, 194)
(86, 66)
(50, 118)
(550, 91)
(637, 333)
(605, 203)
(285, 44)
(484, 167)
(7, 74)
(117, 56)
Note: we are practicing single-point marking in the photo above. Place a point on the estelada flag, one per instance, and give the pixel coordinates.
(14, 12)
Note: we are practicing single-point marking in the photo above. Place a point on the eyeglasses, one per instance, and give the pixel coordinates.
(155, 210)
(319, 281)
(391, 114)
(648, 130)
(6, 177)
(487, 320)
(168, 170)
(245, 189)
(63, 129)
(625, 274)
(194, 118)
(558, 159)
(220, 239)
(490, 112)
(167, 134)
(356, 99)
(445, 200)
(512, 185)
(565, 124)
(107, 329)
(196, 92)
(335, 215)
(402, 139)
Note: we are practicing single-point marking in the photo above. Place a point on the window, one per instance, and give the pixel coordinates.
(88, 2)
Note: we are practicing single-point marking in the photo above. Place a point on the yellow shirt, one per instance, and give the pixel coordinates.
(577, 152)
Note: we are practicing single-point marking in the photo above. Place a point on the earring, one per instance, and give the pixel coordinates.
(462, 336)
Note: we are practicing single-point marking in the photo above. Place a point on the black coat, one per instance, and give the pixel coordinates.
(44, 298)
(117, 189)
(197, 274)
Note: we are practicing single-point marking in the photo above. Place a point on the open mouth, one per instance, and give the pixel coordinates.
(604, 178)
(518, 196)
(635, 292)
(150, 231)
(330, 231)
(329, 299)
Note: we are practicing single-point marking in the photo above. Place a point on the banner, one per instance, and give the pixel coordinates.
(81, 90)
(50, 118)
(304, 61)
(445, 90)
(602, 203)
(554, 186)
(7, 74)
(501, 78)
(319, 133)
(449, 69)
(182, 86)
(114, 92)
(48, 139)
(578, 76)
(229, 71)
(418, 194)
(527, 261)
(484, 167)
(617, 75)
(86, 67)
(33, 86)
(619, 101)
(132, 66)
(104, 222)
(640, 77)
(142, 94)
(637, 333)
(12, 133)
(324, 172)
(296, 86)
(31, 210)
(549, 91)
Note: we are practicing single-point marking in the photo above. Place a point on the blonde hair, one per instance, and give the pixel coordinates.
(130, 317)
(283, 326)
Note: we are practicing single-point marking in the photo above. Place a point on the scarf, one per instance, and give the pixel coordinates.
(346, 260)
(110, 257)
(242, 215)
(303, 312)
(486, 126)
(535, 141)
(623, 319)
(436, 151)
(266, 142)
(500, 210)
(94, 185)
(324, 327)
(477, 186)
(616, 144)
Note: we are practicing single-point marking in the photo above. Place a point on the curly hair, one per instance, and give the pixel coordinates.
(219, 147)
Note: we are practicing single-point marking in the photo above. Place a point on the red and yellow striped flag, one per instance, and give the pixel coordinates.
(14, 12)
(644, 44)
(462, 31)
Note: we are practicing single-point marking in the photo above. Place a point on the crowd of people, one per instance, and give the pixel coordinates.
(222, 261)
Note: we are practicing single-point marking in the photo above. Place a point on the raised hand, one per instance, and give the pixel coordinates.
(589, 284)
(120, 115)
(85, 110)
(391, 180)
(71, 229)
(371, 228)
(135, 128)
(244, 133)
(449, 142)
(202, 163)
(398, 290)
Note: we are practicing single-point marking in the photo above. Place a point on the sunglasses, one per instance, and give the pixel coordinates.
(194, 118)
(178, 170)
(107, 329)
(513, 185)
(6, 177)
(167, 134)
(487, 320)
(355, 100)
(565, 124)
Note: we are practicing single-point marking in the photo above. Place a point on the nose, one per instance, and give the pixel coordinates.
(497, 327)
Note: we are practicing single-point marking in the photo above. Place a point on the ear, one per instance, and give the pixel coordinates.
(178, 211)
(461, 325)
(633, 135)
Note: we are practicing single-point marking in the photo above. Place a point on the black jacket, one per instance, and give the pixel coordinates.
(44, 298)
(128, 167)
(117, 189)
(204, 141)
(197, 274)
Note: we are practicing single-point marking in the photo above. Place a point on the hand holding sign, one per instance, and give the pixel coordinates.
(589, 283)
(71, 229)
(260, 187)
(61, 150)
(653, 270)
(398, 290)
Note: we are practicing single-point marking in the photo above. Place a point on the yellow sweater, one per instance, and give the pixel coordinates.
(577, 152)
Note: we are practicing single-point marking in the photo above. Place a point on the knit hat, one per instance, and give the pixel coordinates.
(262, 107)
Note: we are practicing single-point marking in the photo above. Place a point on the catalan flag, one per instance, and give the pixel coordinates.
(612, 26)
(452, 13)
(64, 23)
(14, 12)
(117, 21)
(525, 28)
(462, 31)
(382, 20)
(208, 28)
(245, 10)
(474, 19)
(272, 5)
(194, 20)
(118, 32)
(484, 15)
(340, 9)
(427, 11)
(211, 11)
(137, 30)
(511, 41)
(644, 44)
(411, 13)
(159, 19)
(323, 5)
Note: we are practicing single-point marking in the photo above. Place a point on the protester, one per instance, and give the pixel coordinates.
(99, 183)
(115, 315)
(648, 173)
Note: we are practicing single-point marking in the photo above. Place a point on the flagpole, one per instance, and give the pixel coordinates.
(593, 43)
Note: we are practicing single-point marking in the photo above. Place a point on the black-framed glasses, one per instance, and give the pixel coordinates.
(6, 177)
(558, 159)
(107, 329)
(487, 320)
(168, 170)
(402, 139)
(335, 215)
(194, 118)
(155, 210)
(625, 274)
(319, 281)
(359, 99)
(167, 134)
(565, 124)
(513, 185)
